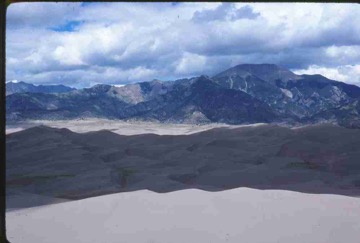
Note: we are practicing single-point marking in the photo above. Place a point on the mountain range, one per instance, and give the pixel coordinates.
(246, 93)
(22, 87)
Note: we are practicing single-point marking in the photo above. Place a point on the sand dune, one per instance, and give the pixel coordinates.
(48, 167)
(238, 215)
(59, 163)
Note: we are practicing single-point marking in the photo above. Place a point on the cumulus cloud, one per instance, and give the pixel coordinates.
(225, 11)
(38, 15)
(80, 44)
(347, 73)
(190, 63)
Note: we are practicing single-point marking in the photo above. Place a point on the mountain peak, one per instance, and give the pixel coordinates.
(203, 79)
(267, 72)
(102, 88)
(17, 82)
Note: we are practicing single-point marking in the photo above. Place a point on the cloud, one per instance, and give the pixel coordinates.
(79, 44)
(225, 11)
(347, 73)
(38, 15)
(190, 63)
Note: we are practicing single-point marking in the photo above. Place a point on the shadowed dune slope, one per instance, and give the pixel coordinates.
(63, 164)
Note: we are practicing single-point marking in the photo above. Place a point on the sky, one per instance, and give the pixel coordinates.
(82, 44)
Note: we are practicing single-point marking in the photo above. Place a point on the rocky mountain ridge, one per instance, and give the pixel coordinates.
(246, 93)
(22, 87)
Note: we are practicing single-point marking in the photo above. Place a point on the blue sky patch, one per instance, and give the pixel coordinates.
(69, 26)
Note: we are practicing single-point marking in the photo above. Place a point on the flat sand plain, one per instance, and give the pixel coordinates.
(119, 127)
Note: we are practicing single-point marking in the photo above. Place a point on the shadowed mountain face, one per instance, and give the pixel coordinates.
(243, 94)
(22, 87)
(305, 97)
(62, 164)
(196, 100)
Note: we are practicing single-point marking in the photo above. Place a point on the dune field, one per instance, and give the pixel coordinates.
(163, 183)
